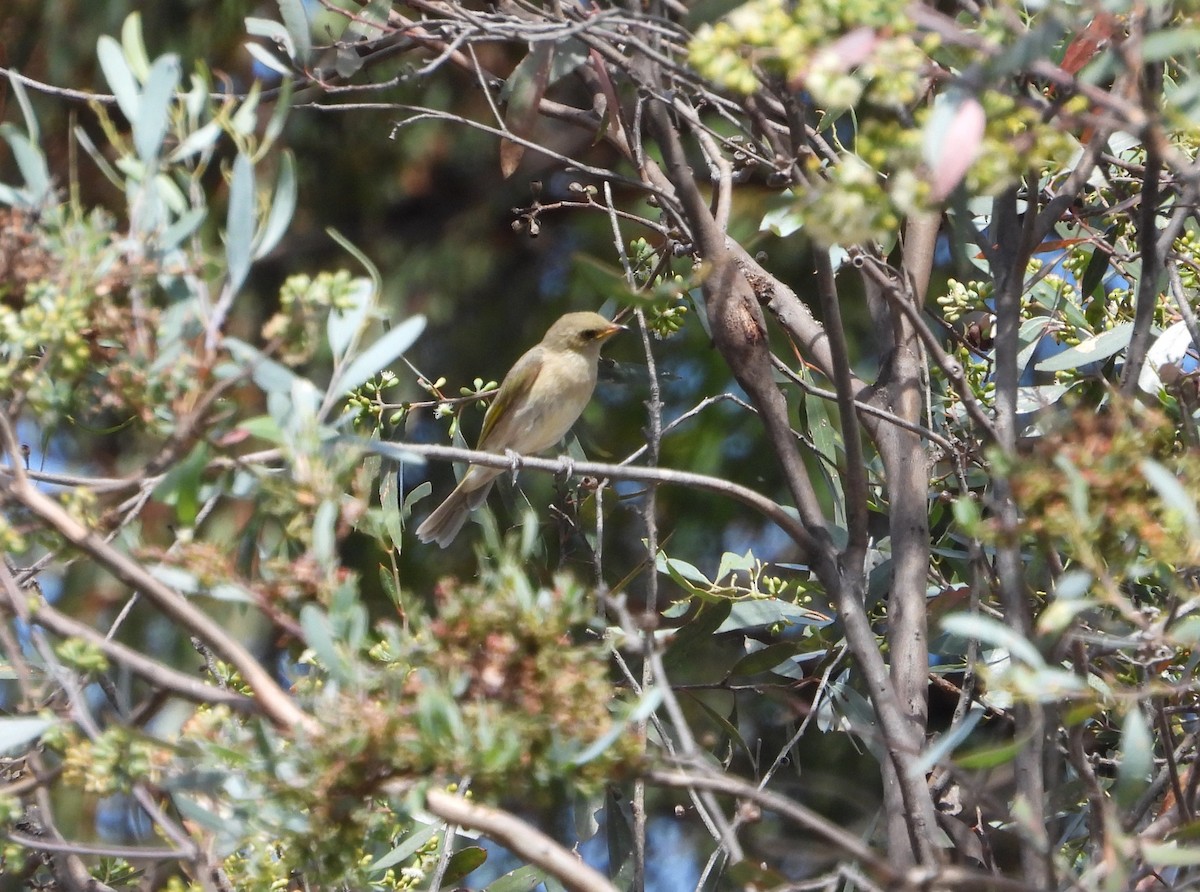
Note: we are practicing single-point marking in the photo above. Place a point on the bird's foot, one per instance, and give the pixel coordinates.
(566, 467)
(514, 461)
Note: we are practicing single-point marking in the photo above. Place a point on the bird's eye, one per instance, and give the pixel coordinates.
(591, 334)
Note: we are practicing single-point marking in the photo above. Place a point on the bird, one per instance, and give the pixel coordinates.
(540, 398)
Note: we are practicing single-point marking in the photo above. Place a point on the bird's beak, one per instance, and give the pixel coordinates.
(611, 330)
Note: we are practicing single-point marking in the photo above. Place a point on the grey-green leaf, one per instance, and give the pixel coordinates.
(239, 223)
(119, 76)
(154, 111)
(1092, 349)
(380, 355)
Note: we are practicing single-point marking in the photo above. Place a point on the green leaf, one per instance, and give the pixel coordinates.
(279, 115)
(1092, 349)
(732, 563)
(463, 862)
(394, 451)
(239, 222)
(758, 612)
(418, 492)
(618, 827)
(708, 619)
(264, 427)
(379, 355)
(765, 659)
(990, 756)
(523, 879)
(729, 728)
(412, 843)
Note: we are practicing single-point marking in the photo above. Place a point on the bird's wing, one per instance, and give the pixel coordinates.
(498, 422)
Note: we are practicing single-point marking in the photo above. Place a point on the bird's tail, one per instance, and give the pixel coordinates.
(449, 517)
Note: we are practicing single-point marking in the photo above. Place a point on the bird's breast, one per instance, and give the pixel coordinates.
(554, 404)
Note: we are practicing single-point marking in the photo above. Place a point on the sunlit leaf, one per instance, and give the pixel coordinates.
(989, 631)
(119, 76)
(380, 355)
(1090, 350)
(17, 731)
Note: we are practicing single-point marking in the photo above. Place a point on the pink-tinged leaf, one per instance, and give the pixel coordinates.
(953, 137)
(844, 54)
(525, 88)
(854, 47)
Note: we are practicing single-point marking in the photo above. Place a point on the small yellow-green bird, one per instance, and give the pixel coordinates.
(543, 394)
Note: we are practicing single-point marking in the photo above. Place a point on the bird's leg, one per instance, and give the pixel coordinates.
(514, 462)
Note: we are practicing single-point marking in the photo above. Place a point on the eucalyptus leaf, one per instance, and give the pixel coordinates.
(271, 376)
(133, 47)
(406, 849)
(264, 57)
(346, 322)
(32, 165)
(1090, 350)
(239, 222)
(27, 114)
(379, 355)
(119, 76)
(1137, 756)
(523, 879)
(154, 111)
(283, 206)
(463, 862)
(295, 19)
(992, 632)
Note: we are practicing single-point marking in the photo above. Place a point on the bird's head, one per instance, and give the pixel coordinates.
(580, 332)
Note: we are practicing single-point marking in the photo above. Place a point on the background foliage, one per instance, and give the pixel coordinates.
(875, 562)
